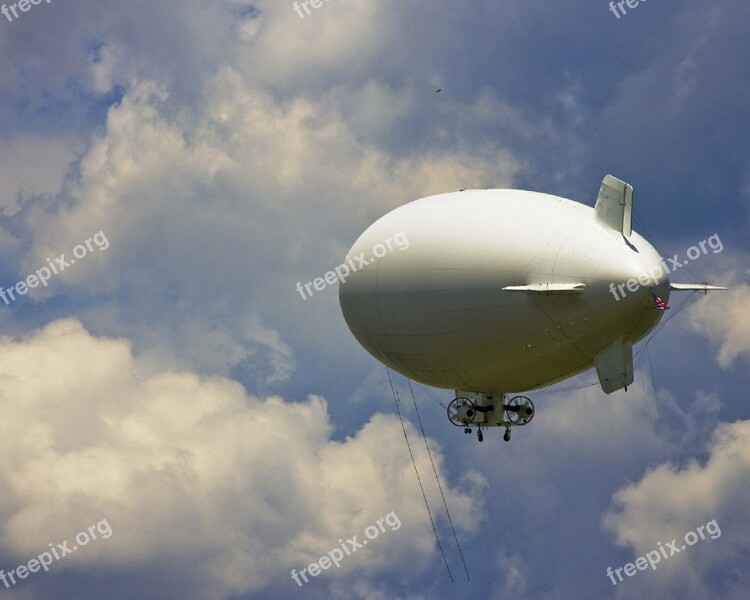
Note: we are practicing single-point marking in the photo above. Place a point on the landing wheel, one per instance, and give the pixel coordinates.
(480, 435)
(462, 412)
(506, 436)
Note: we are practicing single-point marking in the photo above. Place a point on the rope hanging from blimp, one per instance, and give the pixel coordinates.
(437, 478)
(431, 392)
(414, 462)
(653, 383)
(676, 311)
(692, 297)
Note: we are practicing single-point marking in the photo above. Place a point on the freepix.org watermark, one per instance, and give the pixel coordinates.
(56, 552)
(341, 272)
(652, 558)
(621, 5)
(44, 274)
(652, 277)
(348, 547)
(22, 5)
(306, 5)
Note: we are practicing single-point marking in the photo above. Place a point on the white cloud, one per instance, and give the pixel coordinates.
(338, 36)
(247, 154)
(30, 166)
(725, 321)
(216, 212)
(670, 501)
(514, 574)
(193, 472)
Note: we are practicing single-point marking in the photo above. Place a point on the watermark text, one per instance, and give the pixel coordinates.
(654, 273)
(298, 6)
(347, 548)
(343, 271)
(44, 274)
(653, 557)
(614, 6)
(22, 5)
(56, 552)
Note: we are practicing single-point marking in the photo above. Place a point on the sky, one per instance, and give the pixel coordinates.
(174, 410)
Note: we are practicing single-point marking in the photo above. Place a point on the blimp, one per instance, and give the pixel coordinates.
(496, 292)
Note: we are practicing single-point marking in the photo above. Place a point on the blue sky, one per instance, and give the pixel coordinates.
(174, 383)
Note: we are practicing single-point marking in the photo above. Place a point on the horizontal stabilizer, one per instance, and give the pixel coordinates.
(548, 288)
(682, 287)
(614, 205)
(614, 366)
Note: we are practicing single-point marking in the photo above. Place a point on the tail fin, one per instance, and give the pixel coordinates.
(683, 287)
(614, 205)
(614, 366)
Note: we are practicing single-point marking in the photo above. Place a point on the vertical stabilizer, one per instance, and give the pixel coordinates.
(614, 205)
(614, 366)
